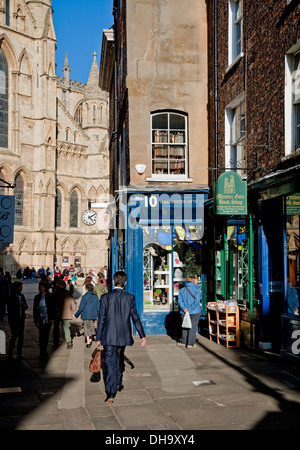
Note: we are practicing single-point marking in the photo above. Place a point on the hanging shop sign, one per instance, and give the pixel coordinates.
(7, 219)
(293, 205)
(230, 195)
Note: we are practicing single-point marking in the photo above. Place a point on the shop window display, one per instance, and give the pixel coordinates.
(293, 254)
(170, 254)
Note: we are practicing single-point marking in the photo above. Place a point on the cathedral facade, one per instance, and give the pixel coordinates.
(53, 146)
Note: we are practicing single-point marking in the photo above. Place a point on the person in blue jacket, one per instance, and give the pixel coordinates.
(89, 311)
(189, 299)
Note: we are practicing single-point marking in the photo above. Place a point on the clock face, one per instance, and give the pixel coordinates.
(89, 217)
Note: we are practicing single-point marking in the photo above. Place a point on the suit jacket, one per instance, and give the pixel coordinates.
(114, 327)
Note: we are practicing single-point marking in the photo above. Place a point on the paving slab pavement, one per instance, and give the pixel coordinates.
(167, 388)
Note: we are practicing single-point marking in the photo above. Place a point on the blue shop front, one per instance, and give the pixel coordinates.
(158, 241)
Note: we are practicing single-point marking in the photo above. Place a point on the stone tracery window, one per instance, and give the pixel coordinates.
(58, 208)
(78, 115)
(74, 210)
(19, 200)
(3, 101)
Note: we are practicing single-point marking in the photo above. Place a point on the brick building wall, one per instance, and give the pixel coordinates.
(270, 29)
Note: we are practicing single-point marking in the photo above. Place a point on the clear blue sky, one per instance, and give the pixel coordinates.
(79, 25)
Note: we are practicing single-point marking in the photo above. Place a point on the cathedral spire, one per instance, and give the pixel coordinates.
(66, 70)
(93, 81)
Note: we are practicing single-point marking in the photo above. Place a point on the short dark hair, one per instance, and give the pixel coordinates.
(89, 287)
(16, 285)
(45, 284)
(120, 278)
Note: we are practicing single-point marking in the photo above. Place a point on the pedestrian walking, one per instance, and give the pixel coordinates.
(114, 332)
(16, 307)
(66, 308)
(189, 299)
(89, 312)
(5, 292)
(100, 286)
(43, 315)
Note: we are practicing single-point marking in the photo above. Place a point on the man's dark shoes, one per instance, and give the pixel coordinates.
(110, 398)
(120, 388)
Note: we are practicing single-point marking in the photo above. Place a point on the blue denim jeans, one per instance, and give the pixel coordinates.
(188, 335)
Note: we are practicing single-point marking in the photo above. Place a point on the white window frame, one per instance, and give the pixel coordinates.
(292, 99)
(170, 177)
(233, 23)
(232, 144)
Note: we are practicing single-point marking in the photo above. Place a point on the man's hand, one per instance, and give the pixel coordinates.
(98, 343)
(143, 343)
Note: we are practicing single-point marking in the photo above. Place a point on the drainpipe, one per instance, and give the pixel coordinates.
(115, 132)
(216, 84)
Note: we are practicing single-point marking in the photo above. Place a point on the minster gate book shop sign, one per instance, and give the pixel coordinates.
(230, 195)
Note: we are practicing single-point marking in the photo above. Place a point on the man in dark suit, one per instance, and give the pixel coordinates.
(114, 332)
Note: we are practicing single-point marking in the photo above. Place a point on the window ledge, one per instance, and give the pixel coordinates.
(234, 62)
(167, 178)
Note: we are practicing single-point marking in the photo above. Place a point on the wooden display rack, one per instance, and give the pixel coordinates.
(224, 323)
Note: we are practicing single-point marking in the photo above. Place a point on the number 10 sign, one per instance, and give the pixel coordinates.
(7, 215)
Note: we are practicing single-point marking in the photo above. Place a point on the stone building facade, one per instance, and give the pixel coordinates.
(155, 67)
(53, 147)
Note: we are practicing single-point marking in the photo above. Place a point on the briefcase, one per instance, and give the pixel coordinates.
(95, 364)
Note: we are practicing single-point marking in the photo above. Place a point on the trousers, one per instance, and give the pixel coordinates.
(44, 331)
(66, 323)
(188, 336)
(17, 332)
(113, 367)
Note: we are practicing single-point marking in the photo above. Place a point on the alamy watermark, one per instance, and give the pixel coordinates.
(296, 344)
(135, 210)
(2, 343)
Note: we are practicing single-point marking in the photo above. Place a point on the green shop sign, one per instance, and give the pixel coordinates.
(293, 205)
(230, 195)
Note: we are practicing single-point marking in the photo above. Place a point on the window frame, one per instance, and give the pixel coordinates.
(19, 201)
(292, 104)
(235, 22)
(4, 97)
(73, 223)
(233, 143)
(170, 176)
(58, 208)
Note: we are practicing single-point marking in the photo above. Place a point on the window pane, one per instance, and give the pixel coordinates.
(3, 101)
(74, 210)
(19, 200)
(7, 12)
(160, 122)
(297, 126)
(58, 209)
(160, 136)
(293, 255)
(177, 122)
(296, 79)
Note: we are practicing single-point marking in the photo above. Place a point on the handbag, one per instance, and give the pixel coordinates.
(95, 364)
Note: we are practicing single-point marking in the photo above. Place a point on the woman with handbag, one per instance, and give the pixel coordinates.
(189, 299)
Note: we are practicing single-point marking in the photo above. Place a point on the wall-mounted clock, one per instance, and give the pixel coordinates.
(89, 217)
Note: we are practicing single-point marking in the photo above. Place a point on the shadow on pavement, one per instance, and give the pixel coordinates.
(288, 417)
